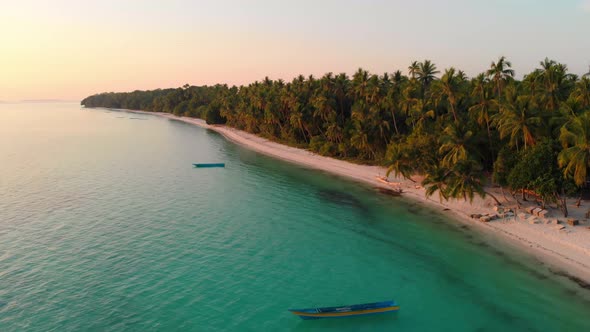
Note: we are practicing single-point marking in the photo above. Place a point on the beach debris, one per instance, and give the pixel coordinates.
(509, 214)
(552, 222)
(384, 179)
(485, 218)
(536, 211)
(530, 209)
(522, 216)
(543, 213)
(572, 222)
(475, 216)
(559, 227)
(533, 220)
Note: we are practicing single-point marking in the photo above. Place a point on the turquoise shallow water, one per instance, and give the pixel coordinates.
(105, 226)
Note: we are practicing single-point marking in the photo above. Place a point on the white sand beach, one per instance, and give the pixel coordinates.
(565, 250)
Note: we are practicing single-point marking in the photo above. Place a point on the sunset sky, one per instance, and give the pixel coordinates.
(64, 49)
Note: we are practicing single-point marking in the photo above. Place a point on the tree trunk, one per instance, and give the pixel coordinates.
(491, 144)
(562, 200)
(504, 194)
(454, 113)
(306, 129)
(494, 197)
(513, 194)
(394, 122)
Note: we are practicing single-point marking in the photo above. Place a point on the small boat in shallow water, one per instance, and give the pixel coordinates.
(209, 165)
(347, 311)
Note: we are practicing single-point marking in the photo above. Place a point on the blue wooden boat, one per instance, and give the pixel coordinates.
(209, 165)
(347, 311)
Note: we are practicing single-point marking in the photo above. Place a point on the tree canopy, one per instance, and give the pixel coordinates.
(454, 130)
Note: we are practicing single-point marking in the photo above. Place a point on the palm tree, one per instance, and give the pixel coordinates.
(323, 101)
(456, 142)
(519, 120)
(413, 69)
(360, 140)
(296, 120)
(436, 181)
(334, 133)
(450, 88)
(555, 83)
(400, 160)
(531, 82)
(575, 157)
(483, 106)
(465, 180)
(398, 78)
(374, 91)
(360, 81)
(426, 74)
(581, 93)
(341, 87)
(500, 72)
(394, 96)
(391, 102)
(417, 115)
(461, 75)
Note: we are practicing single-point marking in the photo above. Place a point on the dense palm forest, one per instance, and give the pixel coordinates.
(532, 137)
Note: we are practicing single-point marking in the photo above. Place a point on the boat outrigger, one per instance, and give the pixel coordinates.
(209, 165)
(347, 311)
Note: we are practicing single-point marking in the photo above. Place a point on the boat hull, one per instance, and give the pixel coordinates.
(209, 165)
(347, 311)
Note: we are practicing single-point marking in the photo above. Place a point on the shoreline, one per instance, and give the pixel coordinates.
(566, 251)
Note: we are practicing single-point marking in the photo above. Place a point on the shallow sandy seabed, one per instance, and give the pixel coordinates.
(566, 250)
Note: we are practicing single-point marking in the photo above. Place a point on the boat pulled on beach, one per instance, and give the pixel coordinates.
(347, 311)
(384, 180)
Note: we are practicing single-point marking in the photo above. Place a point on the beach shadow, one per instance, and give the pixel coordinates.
(360, 323)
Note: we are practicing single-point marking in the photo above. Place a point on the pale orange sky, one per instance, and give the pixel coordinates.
(67, 49)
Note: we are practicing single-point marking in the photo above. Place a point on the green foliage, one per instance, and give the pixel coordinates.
(466, 180)
(212, 113)
(575, 157)
(181, 109)
(451, 129)
(507, 159)
(537, 170)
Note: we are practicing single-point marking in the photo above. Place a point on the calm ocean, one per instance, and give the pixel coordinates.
(106, 226)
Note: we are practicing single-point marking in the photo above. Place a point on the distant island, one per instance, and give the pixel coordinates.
(529, 136)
